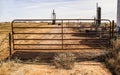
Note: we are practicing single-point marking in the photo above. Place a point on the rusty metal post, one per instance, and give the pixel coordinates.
(12, 28)
(10, 50)
(113, 25)
(62, 34)
(110, 33)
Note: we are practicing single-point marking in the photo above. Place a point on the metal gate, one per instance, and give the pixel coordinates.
(65, 35)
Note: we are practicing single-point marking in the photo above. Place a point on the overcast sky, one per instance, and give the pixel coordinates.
(39, 9)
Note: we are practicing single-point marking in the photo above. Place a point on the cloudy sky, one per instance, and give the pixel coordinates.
(15, 9)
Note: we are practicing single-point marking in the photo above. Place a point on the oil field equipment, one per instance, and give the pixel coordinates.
(53, 17)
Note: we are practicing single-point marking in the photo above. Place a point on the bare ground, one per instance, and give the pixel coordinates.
(81, 68)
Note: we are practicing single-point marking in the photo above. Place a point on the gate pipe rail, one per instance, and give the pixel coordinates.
(62, 32)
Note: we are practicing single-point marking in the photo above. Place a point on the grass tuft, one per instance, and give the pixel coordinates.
(64, 60)
(114, 62)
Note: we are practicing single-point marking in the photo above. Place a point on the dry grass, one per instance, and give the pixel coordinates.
(8, 67)
(82, 68)
(114, 62)
(5, 29)
(64, 60)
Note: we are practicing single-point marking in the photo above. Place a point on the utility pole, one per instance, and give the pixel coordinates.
(118, 16)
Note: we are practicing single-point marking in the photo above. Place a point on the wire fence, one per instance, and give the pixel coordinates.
(4, 46)
(5, 40)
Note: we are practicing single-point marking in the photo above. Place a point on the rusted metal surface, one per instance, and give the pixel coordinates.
(10, 45)
(113, 26)
(63, 45)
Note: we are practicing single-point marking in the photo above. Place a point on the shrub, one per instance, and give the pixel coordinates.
(64, 60)
(114, 61)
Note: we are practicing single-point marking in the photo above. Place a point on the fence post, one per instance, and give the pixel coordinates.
(113, 25)
(62, 35)
(10, 51)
